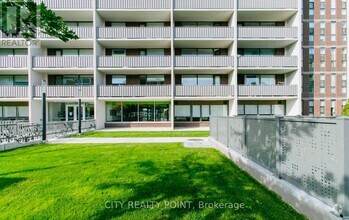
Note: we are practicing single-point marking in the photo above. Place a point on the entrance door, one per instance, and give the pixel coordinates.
(72, 112)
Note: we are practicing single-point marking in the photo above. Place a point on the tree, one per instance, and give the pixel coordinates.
(346, 109)
(25, 17)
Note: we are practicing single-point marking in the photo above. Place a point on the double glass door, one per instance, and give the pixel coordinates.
(72, 112)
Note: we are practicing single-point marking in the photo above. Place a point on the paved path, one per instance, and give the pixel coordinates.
(188, 142)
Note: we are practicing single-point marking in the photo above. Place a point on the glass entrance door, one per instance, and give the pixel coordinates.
(72, 112)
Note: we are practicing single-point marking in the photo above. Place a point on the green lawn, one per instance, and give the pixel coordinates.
(78, 181)
(142, 134)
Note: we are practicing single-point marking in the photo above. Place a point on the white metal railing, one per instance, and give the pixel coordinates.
(63, 62)
(67, 4)
(82, 32)
(204, 61)
(268, 61)
(14, 92)
(204, 32)
(14, 62)
(267, 32)
(204, 91)
(267, 4)
(134, 61)
(135, 91)
(203, 4)
(65, 91)
(133, 4)
(134, 32)
(274, 90)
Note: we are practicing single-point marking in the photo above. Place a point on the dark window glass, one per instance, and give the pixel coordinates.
(146, 111)
(130, 111)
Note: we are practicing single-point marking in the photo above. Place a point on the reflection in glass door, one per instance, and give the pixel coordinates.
(72, 112)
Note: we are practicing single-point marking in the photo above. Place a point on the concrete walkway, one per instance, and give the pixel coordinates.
(188, 142)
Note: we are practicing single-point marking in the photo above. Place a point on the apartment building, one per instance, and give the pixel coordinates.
(159, 63)
(325, 45)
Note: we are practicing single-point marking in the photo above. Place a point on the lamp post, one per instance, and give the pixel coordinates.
(44, 87)
(79, 111)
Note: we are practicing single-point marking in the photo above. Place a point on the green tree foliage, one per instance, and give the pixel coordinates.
(25, 17)
(346, 109)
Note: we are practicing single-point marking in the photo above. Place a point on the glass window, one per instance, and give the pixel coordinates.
(20, 52)
(70, 52)
(196, 112)
(9, 112)
(219, 110)
(182, 112)
(130, 111)
(146, 111)
(268, 80)
(155, 24)
(114, 112)
(217, 80)
(251, 52)
(205, 23)
(86, 52)
(119, 79)
(205, 52)
(6, 80)
(205, 112)
(155, 79)
(205, 80)
(266, 52)
(118, 24)
(251, 80)
(86, 80)
(189, 80)
(85, 24)
(155, 52)
(20, 80)
(0, 111)
(189, 24)
(265, 109)
(241, 109)
(70, 80)
(189, 52)
(251, 109)
(119, 52)
(162, 111)
(23, 111)
(6, 52)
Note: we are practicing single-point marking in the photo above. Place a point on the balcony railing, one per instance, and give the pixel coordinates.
(204, 4)
(134, 32)
(14, 62)
(63, 62)
(267, 4)
(135, 91)
(268, 61)
(134, 62)
(204, 61)
(14, 92)
(133, 4)
(252, 91)
(204, 91)
(67, 4)
(82, 32)
(267, 32)
(204, 32)
(65, 91)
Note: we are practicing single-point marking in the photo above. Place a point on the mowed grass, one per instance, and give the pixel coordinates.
(142, 134)
(77, 181)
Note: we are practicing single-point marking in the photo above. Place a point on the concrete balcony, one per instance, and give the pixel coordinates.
(267, 4)
(268, 62)
(134, 62)
(204, 91)
(203, 4)
(65, 91)
(135, 91)
(82, 32)
(133, 4)
(267, 91)
(134, 32)
(204, 32)
(63, 62)
(267, 32)
(14, 62)
(67, 4)
(13, 92)
(204, 61)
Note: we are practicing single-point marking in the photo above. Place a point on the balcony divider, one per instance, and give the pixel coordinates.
(14, 62)
(274, 90)
(14, 92)
(135, 91)
(63, 62)
(204, 32)
(134, 32)
(204, 91)
(65, 91)
(134, 61)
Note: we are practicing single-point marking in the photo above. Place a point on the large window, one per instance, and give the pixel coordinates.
(189, 80)
(261, 108)
(70, 52)
(199, 112)
(20, 80)
(138, 111)
(152, 79)
(13, 52)
(201, 52)
(119, 80)
(71, 80)
(13, 111)
(264, 80)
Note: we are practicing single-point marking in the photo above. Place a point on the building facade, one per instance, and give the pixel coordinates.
(159, 63)
(325, 45)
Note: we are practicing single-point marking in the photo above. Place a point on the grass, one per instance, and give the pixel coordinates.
(76, 181)
(142, 134)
